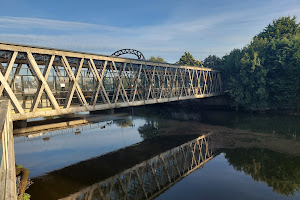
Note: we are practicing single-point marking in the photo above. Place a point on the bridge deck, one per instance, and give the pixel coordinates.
(48, 82)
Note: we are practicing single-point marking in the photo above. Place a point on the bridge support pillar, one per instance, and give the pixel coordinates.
(20, 124)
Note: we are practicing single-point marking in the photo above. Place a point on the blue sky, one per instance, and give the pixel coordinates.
(157, 28)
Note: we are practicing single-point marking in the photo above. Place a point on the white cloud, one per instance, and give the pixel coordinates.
(29, 23)
(212, 34)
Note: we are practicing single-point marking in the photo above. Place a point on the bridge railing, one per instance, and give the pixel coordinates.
(7, 155)
(150, 178)
(47, 82)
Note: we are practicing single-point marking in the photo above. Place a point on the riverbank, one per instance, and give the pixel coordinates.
(224, 102)
(237, 138)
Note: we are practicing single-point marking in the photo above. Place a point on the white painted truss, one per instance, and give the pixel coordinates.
(44, 82)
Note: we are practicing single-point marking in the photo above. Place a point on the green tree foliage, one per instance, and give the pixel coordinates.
(188, 59)
(282, 60)
(279, 171)
(246, 83)
(213, 61)
(282, 27)
(157, 59)
(26, 196)
(266, 73)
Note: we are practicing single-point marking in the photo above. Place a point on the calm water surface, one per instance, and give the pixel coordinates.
(234, 174)
(221, 179)
(61, 148)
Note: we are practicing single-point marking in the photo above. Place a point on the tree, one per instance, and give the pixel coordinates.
(157, 59)
(282, 59)
(246, 86)
(213, 61)
(266, 73)
(188, 59)
(282, 27)
(230, 71)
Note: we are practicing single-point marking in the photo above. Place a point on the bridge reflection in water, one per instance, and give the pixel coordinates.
(152, 177)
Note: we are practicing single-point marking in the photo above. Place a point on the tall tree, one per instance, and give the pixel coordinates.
(157, 59)
(188, 59)
(282, 27)
(282, 59)
(246, 81)
(266, 73)
(213, 61)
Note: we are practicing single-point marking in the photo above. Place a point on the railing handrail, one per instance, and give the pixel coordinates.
(7, 162)
(3, 109)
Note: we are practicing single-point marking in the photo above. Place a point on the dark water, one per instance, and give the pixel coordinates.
(287, 125)
(224, 177)
(242, 173)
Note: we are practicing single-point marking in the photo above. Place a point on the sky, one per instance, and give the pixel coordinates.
(165, 28)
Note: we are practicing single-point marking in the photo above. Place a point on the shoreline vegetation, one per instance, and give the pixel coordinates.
(263, 75)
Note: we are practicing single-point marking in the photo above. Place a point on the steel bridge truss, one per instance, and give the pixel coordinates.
(139, 54)
(48, 82)
(150, 178)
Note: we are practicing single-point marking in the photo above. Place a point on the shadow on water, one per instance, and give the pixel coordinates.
(288, 125)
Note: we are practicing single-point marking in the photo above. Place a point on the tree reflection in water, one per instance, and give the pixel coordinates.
(280, 171)
(123, 123)
(150, 129)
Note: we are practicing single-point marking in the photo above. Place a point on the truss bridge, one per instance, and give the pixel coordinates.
(44, 82)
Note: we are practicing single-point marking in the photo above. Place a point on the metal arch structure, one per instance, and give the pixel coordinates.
(44, 82)
(129, 51)
(152, 177)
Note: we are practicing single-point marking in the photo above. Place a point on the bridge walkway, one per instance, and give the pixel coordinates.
(43, 82)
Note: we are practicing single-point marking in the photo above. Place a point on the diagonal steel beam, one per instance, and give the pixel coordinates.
(100, 83)
(11, 95)
(121, 75)
(124, 92)
(74, 80)
(42, 78)
(18, 69)
(41, 86)
(8, 70)
(137, 82)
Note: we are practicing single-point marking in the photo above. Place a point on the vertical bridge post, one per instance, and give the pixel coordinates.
(7, 154)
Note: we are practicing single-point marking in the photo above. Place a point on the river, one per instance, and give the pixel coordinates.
(258, 157)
